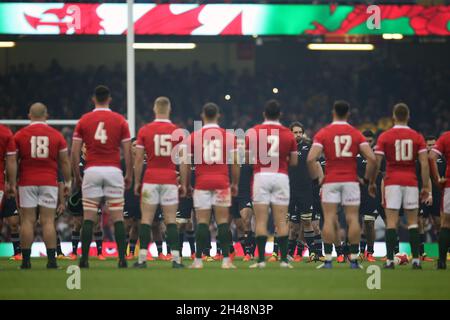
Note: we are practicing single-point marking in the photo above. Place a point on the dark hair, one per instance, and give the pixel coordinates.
(272, 110)
(297, 124)
(430, 137)
(401, 112)
(210, 110)
(341, 108)
(368, 134)
(102, 94)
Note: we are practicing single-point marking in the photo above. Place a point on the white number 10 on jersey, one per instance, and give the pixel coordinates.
(39, 147)
(403, 150)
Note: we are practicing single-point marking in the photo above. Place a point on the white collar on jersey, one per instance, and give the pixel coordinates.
(102, 109)
(37, 122)
(275, 123)
(211, 125)
(162, 120)
(397, 126)
(339, 122)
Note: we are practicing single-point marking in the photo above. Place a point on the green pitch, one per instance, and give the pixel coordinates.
(104, 281)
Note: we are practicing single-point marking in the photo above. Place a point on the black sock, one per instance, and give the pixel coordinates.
(26, 253)
(291, 247)
(223, 236)
(422, 244)
(190, 235)
(397, 245)
(243, 241)
(15, 239)
(144, 235)
(276, 247)
(414, 242)
(391, 239)
(58, 246)
(230, 239)
(119, 234)
(318, 245)
(133, 246)
(300, 247)
(86, 238)
(75, 240)
(51, 255)
(181, 242)
(261, 245)
(444, 242)
(159, 247)
(339, 250)
(346, 249)
(98, 238)
(283, 244)
(309, 238)
(353, 249)
(370, 249)
(201, 240)
(250, 243)
(362, 244)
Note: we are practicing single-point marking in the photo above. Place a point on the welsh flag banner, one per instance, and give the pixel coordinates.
(223, 19)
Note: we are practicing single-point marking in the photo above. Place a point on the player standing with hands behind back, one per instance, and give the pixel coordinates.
(103, 131)
(402, 147)
(341, 143)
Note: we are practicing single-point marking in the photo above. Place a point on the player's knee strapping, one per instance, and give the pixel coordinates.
(115, 204)
(369, 218)
(90, 205)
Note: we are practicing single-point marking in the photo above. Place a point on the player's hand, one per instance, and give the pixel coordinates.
(442, 182)
(182, 191)
(372, 189)
(127, 180)
(60, 209)
(234, 190)
(137, 189)
(429, 201)
(361, 181)
(424, 194)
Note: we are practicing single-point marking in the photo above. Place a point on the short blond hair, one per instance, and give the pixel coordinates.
(162, 105)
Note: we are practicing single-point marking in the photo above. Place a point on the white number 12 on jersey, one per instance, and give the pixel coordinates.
(100, 133)
(342, 146)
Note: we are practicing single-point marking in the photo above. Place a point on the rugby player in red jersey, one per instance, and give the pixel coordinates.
(442, 149)
(402, 147)
(40, 149)
(341, 143)
(272, 148)
(103, 132)
(160, 186)
(212, 148)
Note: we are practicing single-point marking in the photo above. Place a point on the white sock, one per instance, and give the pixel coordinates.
(328, 257)
(353, 256)
(142, 255)
(176, 256)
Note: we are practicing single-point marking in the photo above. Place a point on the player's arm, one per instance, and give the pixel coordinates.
(293, 159)
(185, 170)
(235, 174)
(434, 171)
(61, 199)
(138, 168)
(425, 173)
(11, 174)
(66, 170)
(319, 171)
(311, 162)
(75, 156)
(127, 155)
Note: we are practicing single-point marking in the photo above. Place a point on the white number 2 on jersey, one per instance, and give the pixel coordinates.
(163, 145)
(403, 150)
(274, 150)
(342, 146)
(39, 147)
(100, 133)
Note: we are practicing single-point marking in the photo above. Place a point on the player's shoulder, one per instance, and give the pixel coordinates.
(5, 131)
(445, 136)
